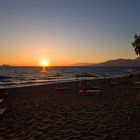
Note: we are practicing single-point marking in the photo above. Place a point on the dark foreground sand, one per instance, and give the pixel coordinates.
(48, 113)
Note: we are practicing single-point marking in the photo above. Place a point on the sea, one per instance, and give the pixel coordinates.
(12, 77)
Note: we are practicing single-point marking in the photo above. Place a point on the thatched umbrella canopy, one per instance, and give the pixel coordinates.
(86, 76)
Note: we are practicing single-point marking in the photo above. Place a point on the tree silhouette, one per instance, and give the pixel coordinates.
(136, 44)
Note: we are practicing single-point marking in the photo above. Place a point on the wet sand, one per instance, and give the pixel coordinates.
(48, 112)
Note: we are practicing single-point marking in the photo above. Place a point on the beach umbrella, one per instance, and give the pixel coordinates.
(85, 76)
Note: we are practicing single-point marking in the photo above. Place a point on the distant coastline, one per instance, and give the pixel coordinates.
(115, 63)
(5, 65)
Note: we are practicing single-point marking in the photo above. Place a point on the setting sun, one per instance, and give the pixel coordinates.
(44, 63)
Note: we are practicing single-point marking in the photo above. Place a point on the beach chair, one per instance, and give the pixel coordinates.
(3, 96)
(2, 108)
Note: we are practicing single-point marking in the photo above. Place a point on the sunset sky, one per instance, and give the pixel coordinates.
(67, 31)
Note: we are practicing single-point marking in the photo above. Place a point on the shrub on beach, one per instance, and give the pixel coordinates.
(136, 44)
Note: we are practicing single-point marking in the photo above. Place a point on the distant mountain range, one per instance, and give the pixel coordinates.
(116, 62)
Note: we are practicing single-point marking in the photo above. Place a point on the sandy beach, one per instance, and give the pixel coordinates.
(60, 112)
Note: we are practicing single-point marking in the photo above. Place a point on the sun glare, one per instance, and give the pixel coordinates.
(44, 63)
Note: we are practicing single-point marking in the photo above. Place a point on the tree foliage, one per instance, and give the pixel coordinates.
(136, 44)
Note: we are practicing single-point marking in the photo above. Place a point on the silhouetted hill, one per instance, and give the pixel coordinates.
(121, 62)
(116, 62)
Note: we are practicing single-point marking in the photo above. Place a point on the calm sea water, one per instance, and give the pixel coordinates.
(28, 76)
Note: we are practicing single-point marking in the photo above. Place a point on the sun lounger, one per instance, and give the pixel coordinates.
(1, 100)
(91, 91)
(137, 82)
(3, 96)
(2, 110)
(129, 87)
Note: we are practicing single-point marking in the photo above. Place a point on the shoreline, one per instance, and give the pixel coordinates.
(61, 81)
